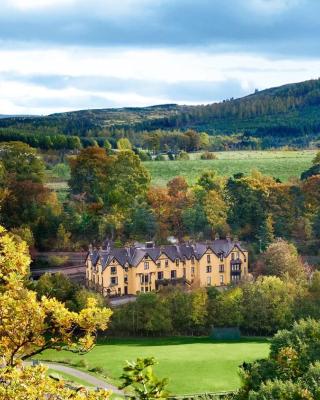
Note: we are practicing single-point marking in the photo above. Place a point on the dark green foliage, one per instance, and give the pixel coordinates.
(314, 170)
(285, 115)
(139, 376)
(292, 370)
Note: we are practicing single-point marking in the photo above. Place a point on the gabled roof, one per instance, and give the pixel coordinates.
(133, 255)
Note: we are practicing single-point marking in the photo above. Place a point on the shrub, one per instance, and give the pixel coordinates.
(207, 155)
(97, 369)
(57, 261)
(182, 156)
(81, 364)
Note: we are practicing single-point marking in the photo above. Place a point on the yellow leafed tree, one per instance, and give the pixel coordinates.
(28, 325)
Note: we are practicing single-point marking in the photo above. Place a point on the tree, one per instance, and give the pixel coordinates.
(216, 211)
(316, 159)
(292, 370)
(124, 144)
(267, 305)
(33, 383)
(281, 259)
(204, 139)
(139, 376)
(314, 170)
(28, 325)
(21, 162)
(63, 241)
(128, 181)
(89, 171)
(265, 233)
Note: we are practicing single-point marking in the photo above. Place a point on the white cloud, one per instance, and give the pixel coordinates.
(168, 66)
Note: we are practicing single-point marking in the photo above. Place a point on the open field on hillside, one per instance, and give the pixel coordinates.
(193, 364)
(280, 164)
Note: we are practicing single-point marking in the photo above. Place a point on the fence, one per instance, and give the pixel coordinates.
(204, 396)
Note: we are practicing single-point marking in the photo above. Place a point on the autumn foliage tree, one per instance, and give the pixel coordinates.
(29, 325)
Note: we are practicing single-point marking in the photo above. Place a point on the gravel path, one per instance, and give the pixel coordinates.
(82, 375)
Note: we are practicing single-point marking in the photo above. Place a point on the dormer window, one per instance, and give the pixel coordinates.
(177, 262)
(146, 265)
(208, 259)
(158, 264)
(232, 256)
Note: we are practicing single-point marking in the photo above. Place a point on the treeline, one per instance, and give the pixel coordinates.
(287, 115)
(111, 196)
(283, 291)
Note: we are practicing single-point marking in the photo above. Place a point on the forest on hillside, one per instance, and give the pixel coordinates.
(285, 115)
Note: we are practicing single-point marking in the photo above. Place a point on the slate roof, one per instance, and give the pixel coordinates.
(132, 256)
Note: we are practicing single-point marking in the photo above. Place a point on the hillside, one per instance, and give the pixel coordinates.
(289, 112)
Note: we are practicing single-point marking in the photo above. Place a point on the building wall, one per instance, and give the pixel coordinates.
(209, 270)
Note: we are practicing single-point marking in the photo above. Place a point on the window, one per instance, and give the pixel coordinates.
(126, 269)
(119, 291)
(209, 268)
(146, 278)
(114, 280)
(113, 270)
(192, 260)
(146, 265)
(192, 270)
(160, 275)
(221, 257)
(184, 272)
(208, 259)
(232, 256)
(125, 279)
(221, 279)
(158, 264)
(221, 268)
(173, 274)
(177, 262)
(184, 261)
(166, 263)
(208, 280)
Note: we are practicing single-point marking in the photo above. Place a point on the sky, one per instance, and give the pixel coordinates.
(61, 55)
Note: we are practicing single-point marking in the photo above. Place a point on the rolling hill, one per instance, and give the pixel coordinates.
(287, 113)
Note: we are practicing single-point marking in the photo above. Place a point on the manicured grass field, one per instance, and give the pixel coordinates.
(280, 164)
(193, 365)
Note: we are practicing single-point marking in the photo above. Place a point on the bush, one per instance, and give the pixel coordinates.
(57, 261)
(144, 156)
(97, 369)
(81, 364)
(182, 156)
(207, 155)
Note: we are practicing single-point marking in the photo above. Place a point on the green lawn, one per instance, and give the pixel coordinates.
(278, 163)
(192, 365)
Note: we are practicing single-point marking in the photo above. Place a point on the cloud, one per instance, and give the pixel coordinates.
(260, 26)
(58, 55)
